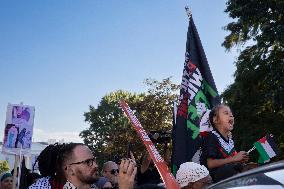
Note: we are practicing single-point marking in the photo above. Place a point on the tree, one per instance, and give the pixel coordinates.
(108, 126)
(110, 131)
(257, 95)
(156, 108)
(4, 166)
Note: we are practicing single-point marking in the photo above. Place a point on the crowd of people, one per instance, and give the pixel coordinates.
(73, 166)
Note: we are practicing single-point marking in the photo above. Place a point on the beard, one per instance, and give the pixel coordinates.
(90, 178)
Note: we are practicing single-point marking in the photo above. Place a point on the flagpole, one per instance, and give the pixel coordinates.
(188, 12)
(15, 171)
(250, 150)
(20, 167)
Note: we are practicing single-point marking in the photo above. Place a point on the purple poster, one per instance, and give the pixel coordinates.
(18, 127)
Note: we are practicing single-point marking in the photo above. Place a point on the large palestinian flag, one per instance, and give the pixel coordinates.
(198, 94)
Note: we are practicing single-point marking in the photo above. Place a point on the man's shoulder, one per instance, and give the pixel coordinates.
(42, 183)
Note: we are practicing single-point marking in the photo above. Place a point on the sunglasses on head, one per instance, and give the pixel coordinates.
(113, 171)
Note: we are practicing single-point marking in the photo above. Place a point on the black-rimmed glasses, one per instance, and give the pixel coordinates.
(88, 162)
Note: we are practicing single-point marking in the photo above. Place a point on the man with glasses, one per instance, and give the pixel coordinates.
(81, 169)
(73, 166)
(110, 176)
(67, 166)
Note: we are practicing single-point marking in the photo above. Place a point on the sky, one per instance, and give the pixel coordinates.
(62, 56)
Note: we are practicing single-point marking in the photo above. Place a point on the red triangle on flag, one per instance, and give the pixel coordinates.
(262, 140)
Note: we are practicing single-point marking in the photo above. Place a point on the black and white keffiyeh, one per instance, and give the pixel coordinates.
(43, 183)
(227, 146)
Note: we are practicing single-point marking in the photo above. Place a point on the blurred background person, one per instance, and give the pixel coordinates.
(110, 175)
(147, 172)
(6, 181)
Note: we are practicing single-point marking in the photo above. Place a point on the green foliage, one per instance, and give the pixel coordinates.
(257, 20)
(108, 126)
(156, 108)
(257, 95)
(110, 131)
(4, 166)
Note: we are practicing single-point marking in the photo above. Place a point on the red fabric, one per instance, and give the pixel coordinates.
(54, 184)
(191, 66)
(226, 155)
(204, 134)
(262, 140)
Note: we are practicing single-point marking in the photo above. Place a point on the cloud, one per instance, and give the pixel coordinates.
(40, 135)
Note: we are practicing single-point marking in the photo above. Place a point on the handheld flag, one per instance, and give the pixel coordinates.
(266, 148)
(159, 162)
(198, 94)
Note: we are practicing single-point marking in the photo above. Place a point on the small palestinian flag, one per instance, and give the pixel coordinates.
(266, 148)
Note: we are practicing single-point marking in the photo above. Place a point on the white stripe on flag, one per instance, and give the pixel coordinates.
(270, 152)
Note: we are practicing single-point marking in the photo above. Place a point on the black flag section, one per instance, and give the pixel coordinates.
(198, 94)
(23, 175)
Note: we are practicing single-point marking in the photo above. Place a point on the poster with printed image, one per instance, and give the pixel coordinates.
(18, 126)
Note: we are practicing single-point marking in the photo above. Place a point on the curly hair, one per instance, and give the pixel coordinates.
(47, 159)
(55, 154)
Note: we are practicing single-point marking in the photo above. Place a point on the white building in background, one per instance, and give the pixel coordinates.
(51, 141)
(30, 158)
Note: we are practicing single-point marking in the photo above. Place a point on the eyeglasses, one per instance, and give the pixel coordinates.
(88, 162)
(113, 171)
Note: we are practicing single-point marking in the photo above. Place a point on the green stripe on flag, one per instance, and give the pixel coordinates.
(260, 160)
(174, 170)
(261, 151)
